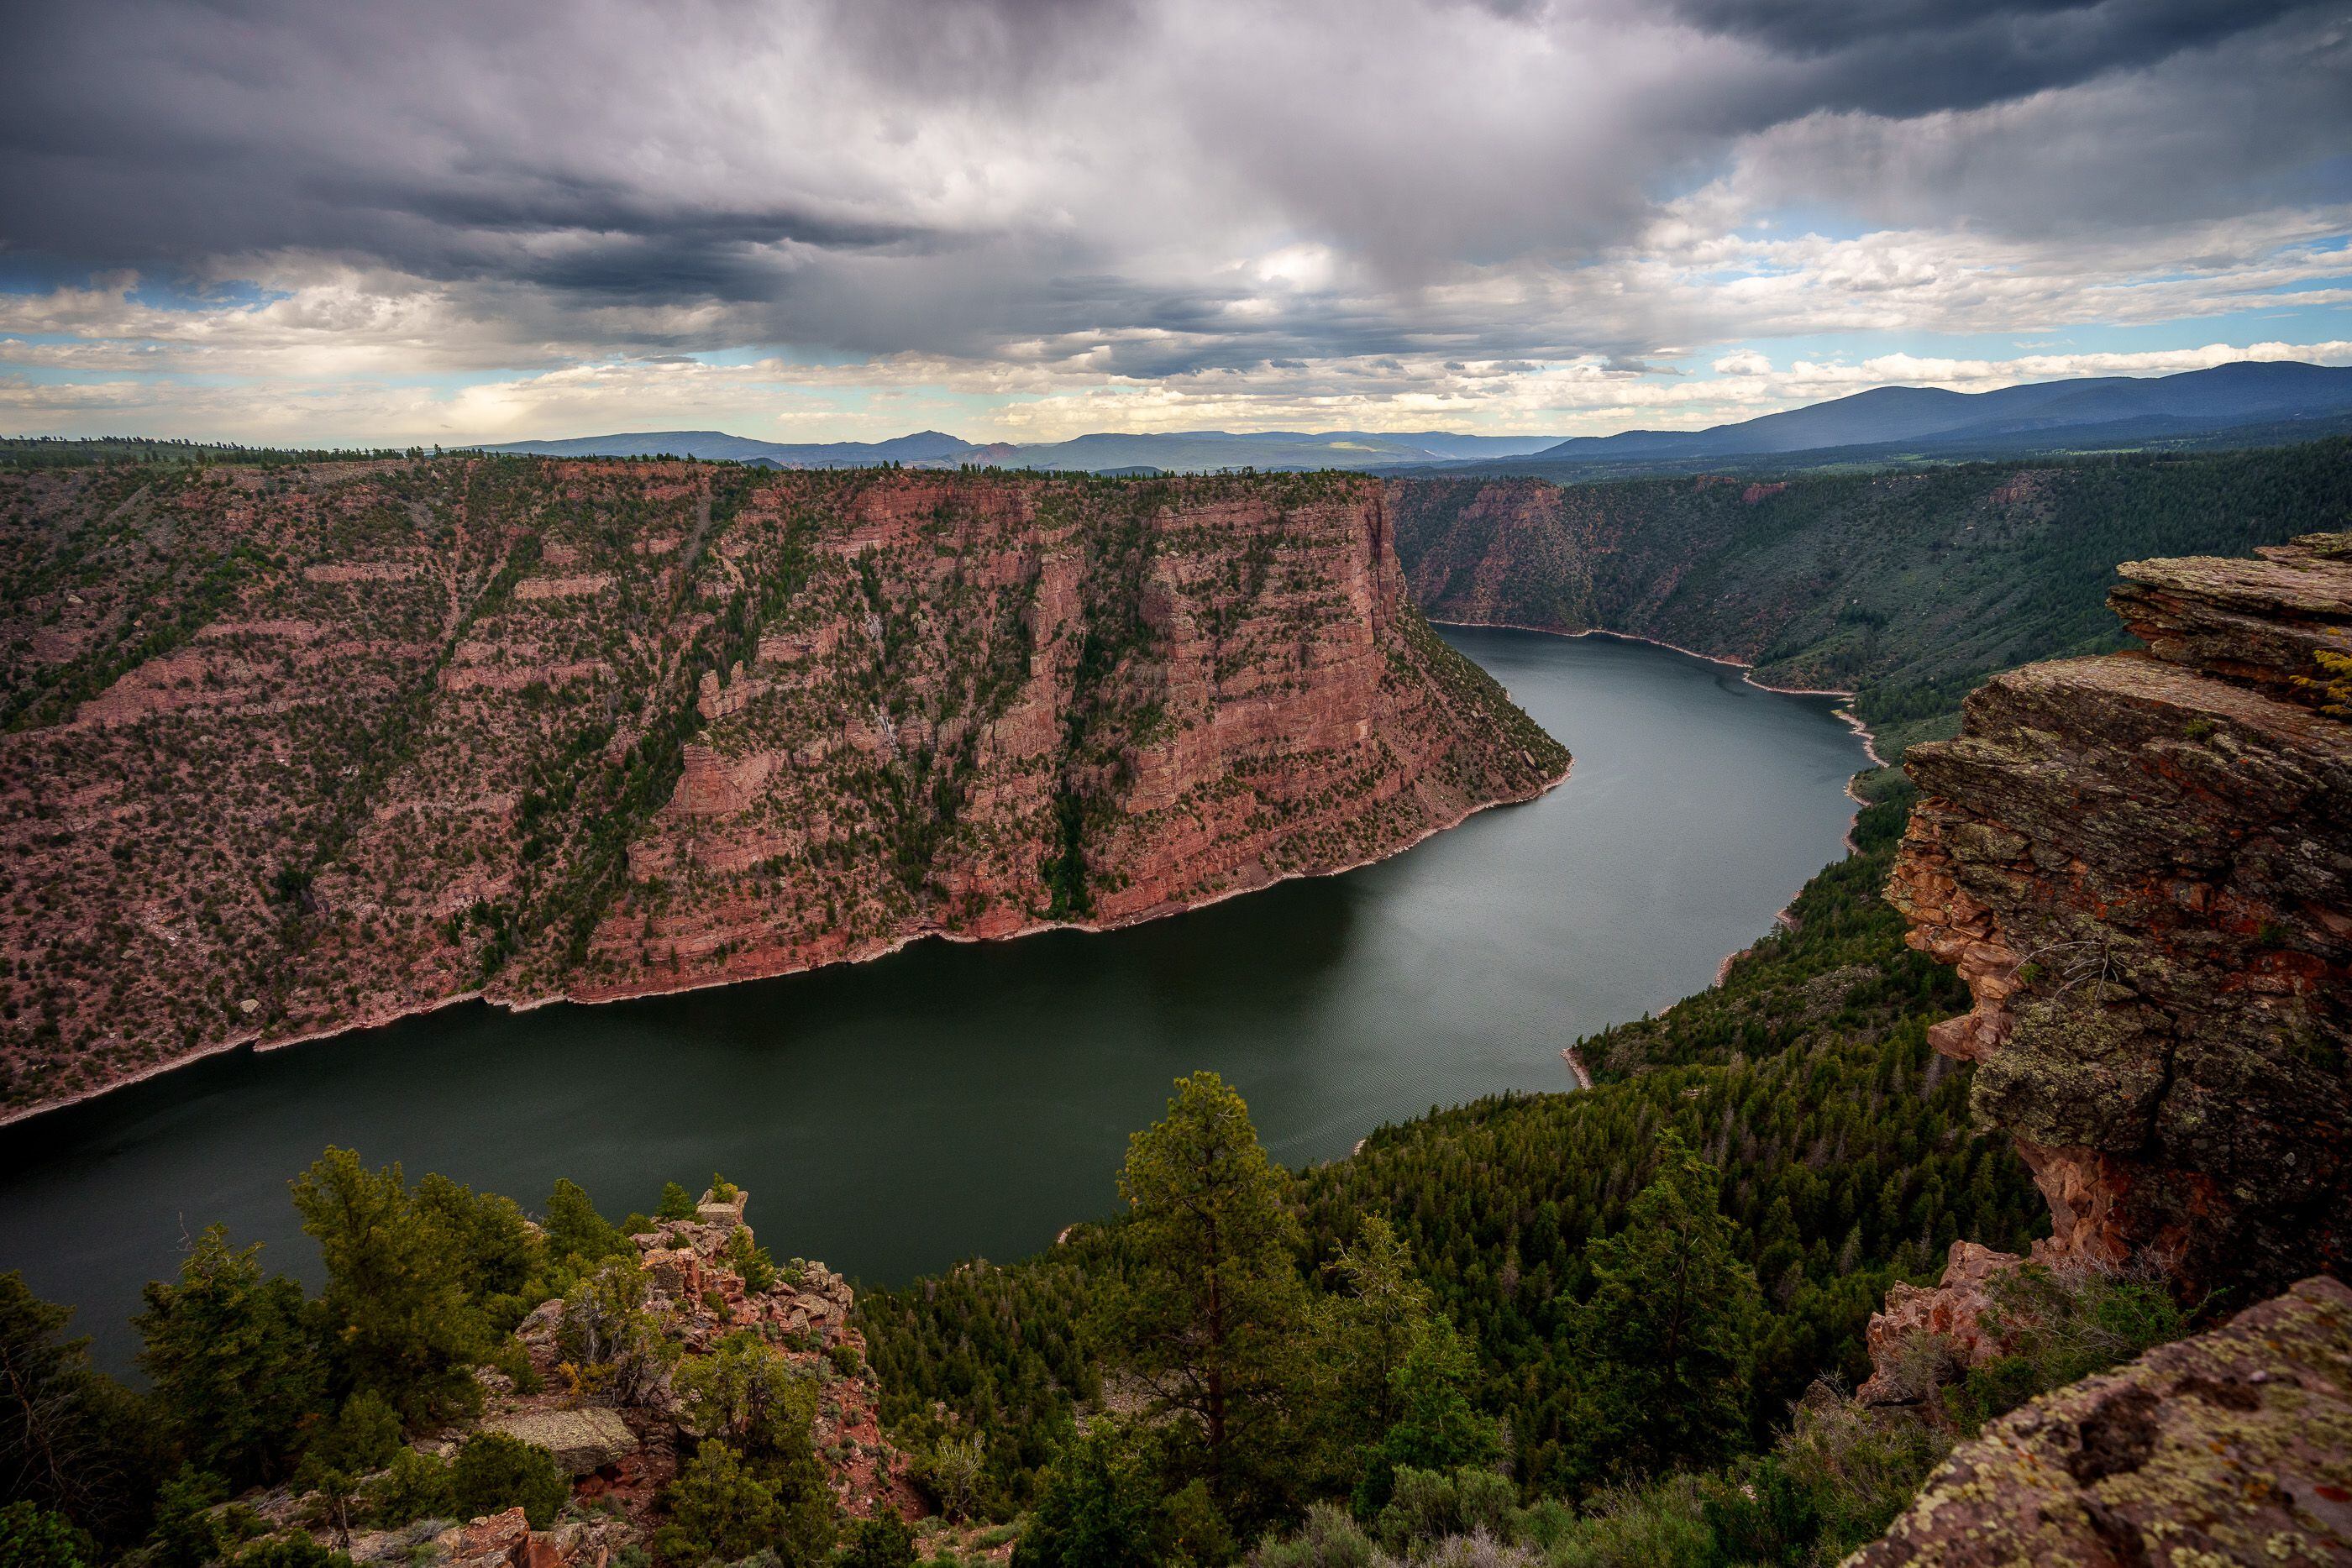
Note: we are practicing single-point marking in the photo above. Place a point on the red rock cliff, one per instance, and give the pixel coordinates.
(294, 750)
(2142, 866)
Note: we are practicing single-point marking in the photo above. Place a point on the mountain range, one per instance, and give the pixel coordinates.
(2261, 403)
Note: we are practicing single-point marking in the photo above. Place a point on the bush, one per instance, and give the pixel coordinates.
(751, 1260)
(186, 1535)
(956, 1476)
(1098, 1507)
(33, 1537)
(676, 1203)
(719, 1510)
(363, 1435)
(1425, 1506)
(883, 1541)
(1330, 1539)
(417, 1486)
(1657, 1526)
(289, 1552)
(495, 1473)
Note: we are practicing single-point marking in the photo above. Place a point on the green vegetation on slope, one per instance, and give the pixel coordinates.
(1846, 1157)
(1907, 587)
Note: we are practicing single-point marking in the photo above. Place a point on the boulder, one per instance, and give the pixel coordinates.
(2233, 1445)
(582, 1440)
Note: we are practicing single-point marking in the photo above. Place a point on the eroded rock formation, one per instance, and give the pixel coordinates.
(293, 750)
(2141, 866)
(2234, 1446)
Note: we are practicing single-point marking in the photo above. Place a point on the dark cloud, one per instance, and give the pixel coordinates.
(1001, 178)
(1896, 56)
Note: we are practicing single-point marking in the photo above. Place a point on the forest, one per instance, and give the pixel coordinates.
(1620, 1324)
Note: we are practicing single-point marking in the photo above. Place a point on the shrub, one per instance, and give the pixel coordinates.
(416, 1486)
(1426, 1506)
(34, 1537)
(883, 1541)
(956, 1475)
(289, 1552)
(718, 1509)
(1330, 1539)
(363, 1435)
(676, 1203)
(751, 1260)
(186, 1535)
(495, 1472)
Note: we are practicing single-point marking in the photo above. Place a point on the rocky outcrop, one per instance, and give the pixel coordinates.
(1954, 1324)
(2234, 1446)
(2142, 866)
(582, 1439)
(319, 748)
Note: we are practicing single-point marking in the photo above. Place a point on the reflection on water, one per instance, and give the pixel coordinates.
(956, 1099)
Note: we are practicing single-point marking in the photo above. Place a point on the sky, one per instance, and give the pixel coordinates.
(308, 222)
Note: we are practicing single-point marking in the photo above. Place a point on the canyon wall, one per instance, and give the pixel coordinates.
(2141, 866)
(297, 750)
(1907, 587)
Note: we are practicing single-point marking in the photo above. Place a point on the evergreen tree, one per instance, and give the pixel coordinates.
(233, 1360)
(395, 1302)
(1666, 1332)
(1212, 1318)
(72, 1440)
(1099, 1506)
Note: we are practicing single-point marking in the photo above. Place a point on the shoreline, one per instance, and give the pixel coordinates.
(1746, 668)
(382, 1018)
(1853, 721)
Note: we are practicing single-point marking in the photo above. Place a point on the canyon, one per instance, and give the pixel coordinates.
(298, 749)
(1905, 588)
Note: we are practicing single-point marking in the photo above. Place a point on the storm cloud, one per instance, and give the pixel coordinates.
(1379, 206)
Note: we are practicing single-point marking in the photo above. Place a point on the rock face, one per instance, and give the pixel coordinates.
(2234, 1446)
(2142, 867)
(582, 1440)
(316, 747)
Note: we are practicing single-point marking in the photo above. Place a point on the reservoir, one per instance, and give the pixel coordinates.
(956, 1101)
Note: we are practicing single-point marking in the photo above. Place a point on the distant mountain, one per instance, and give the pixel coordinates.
(2096, 411)
(1172, 452)
(2272, 403)
(925, 448)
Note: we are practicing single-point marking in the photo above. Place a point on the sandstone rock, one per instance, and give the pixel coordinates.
(725, 1213)
(582, 1440)
(2260, 621)
(1950, 1320)
(2142, 868)
(491, 1541)
(2234, 1446)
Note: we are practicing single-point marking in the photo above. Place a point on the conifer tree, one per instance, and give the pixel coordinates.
(1667, 1331)
(1213, 1319)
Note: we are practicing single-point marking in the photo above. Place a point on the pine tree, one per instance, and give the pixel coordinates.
(1213, 1319)
(236, 1366)
(1667, 1333)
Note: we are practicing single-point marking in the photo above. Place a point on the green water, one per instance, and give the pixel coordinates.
(950, 1099)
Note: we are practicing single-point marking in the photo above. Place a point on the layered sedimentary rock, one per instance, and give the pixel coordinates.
(295, 749)
(2141, 866)
(2234, 1446)
(1907, 587)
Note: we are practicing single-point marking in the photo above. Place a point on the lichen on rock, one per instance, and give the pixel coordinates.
(2233, 1445)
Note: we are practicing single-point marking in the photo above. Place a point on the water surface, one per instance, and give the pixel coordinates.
(953, 1100)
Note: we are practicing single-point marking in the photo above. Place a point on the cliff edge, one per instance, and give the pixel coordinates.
(2232, 1447)
(2141, 866)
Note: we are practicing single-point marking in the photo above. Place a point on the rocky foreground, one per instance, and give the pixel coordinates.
(2141, 866)
(296, 749)
(622, 1441)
